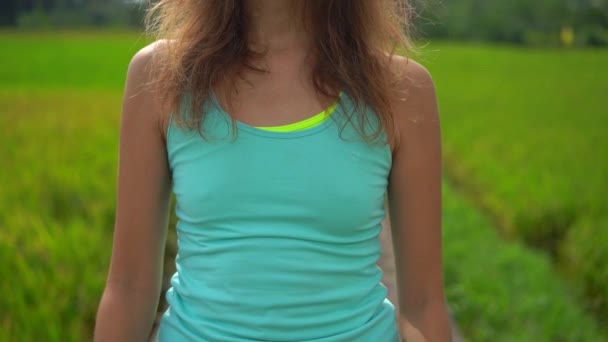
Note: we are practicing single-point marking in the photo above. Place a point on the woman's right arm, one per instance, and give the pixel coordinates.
(129, 302)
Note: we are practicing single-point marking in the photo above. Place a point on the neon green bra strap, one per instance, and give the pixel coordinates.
(306, 123)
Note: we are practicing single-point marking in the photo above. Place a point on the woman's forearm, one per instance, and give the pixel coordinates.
(125, 315)
(425, 322)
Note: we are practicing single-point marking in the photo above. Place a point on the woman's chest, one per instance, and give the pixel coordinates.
(338, 184)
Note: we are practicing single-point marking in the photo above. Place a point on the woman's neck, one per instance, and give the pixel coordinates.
(276, 24)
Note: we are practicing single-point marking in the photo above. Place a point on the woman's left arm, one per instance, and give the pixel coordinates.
(414, 196)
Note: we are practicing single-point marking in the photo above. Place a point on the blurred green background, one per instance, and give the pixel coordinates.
(522, 87)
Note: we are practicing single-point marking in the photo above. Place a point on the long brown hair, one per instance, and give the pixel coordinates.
(206, 40)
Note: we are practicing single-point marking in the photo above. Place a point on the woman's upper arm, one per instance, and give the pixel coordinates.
(144, 186)
(414, 190)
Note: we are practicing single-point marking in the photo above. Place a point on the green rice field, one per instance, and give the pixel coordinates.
(525, 138)
(525, 215)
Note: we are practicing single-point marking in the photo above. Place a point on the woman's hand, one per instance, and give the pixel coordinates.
(409, 333)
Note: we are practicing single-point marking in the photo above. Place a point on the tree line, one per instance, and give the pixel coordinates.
(70, 13)
(533, 22)
(547, 22)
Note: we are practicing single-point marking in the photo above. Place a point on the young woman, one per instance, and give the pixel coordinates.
(282, 126)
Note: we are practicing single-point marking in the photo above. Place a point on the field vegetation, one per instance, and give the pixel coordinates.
(522, 139)
(525, 132)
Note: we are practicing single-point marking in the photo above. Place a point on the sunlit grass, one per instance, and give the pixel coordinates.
(509, 135)
(68, 59)
(525, 135)
(56, 210)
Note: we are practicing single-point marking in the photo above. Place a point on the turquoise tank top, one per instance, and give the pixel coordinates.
(278, 234)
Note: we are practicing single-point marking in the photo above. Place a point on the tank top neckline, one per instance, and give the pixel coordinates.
(275, 134)
(305, 123)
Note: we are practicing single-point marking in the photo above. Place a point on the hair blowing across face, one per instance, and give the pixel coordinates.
(205, 43)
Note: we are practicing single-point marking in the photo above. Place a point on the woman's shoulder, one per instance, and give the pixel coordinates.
(140, 83)
(414, 94)
(411, 78)
(142, 60)
(413, 98)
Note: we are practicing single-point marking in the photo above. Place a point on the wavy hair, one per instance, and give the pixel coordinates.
(205, 41)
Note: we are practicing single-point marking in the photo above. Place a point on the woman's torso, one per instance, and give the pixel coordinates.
(278, 234)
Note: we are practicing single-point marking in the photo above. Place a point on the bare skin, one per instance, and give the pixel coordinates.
(283, 95)
(128, 306)
(414, 201)
(286, 45)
